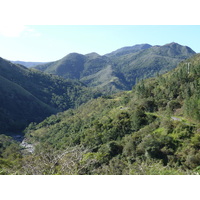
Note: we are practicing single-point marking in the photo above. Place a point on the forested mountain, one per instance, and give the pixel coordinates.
(151, 61)
(129, 49)
(120, 69)
(92, 69)
(153, 129)
(19, 107)
(30, 95)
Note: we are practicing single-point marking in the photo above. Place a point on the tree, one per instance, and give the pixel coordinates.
(138, 119)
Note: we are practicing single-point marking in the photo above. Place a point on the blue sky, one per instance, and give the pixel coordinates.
(52, 42)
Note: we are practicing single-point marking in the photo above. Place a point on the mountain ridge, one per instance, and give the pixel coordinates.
(152, 129)
(128, 64)
(87, 76)
(129, 49)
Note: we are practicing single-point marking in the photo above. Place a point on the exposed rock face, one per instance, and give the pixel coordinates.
(28, 147)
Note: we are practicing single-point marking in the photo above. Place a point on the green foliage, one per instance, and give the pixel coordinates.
(120, 69)
(10, 156)
(30, 96)
(145, 131)
(153, 129)
(139, 118)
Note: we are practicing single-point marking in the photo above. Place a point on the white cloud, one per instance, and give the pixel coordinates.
(30, 32)
(12, 30)
(18, 30)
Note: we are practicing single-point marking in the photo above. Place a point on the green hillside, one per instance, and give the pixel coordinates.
(92, 69)
(120, 69)
(153, 129)
(152, 61)
(19, 107)
(30, 96)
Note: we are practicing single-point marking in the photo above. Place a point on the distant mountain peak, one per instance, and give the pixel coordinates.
(173, 49)
(73, 54)
(127, 64)
(129, 49)
(92, 55)
(174, 44)
(144, 46)
(171, 43)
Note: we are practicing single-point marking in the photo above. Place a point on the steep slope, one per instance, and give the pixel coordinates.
(30, 95)
(153, 129)
(92, 69)
(106, 80)
(149, 62)
(127, 64)
(69, 67)
(19, 107)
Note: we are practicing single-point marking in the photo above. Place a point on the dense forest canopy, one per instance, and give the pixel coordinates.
(152, 129)
(28, 95)
(120, 69)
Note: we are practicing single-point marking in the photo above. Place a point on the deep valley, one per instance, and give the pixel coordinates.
(133, 111)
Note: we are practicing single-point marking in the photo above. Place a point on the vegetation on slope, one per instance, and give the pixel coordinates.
(120, 69)
(19, 107)
(153, 129)
(30, 96)
(151, 61)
